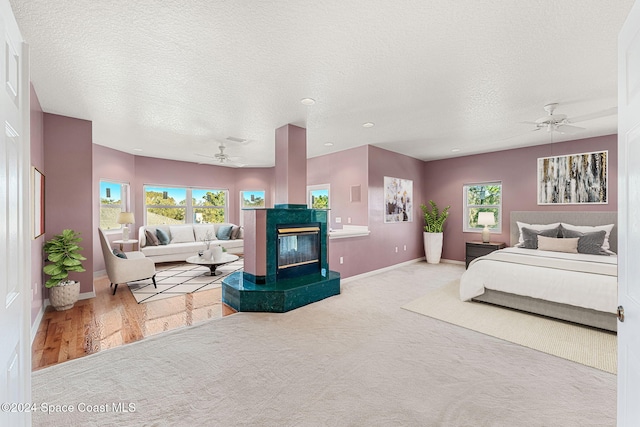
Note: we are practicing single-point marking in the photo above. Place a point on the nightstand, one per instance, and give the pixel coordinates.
(478, 249)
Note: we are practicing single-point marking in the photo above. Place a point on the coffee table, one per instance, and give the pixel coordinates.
(225, 259)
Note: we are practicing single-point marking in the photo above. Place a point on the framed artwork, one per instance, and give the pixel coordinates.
(38, 203)
(573, 179)
(398, 200)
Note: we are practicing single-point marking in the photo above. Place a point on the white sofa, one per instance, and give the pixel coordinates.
(185, 241)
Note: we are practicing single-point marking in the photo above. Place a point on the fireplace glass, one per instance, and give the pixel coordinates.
(298, 249)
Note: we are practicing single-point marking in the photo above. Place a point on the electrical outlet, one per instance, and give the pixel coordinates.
(396, 249)
(405, 247)
(341, 260)
(348, 220)
(338, 220)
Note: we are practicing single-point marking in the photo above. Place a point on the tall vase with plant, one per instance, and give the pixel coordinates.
(64, 257)
(433, 230)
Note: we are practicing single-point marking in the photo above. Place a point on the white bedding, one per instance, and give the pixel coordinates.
(581, 280)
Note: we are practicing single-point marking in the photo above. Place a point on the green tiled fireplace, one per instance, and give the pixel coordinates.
(287, 265)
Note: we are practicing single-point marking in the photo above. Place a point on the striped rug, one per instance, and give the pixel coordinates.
(180, 279)
(588, 346)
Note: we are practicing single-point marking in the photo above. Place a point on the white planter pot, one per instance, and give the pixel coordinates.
(433, 247)
(64, 296)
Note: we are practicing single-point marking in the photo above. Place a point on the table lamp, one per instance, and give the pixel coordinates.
(125, 218)
(486, 219)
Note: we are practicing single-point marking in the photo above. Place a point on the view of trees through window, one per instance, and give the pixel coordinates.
(485, 197)
(169, 205)
(112, 202)
(252, 199)
(319, 199)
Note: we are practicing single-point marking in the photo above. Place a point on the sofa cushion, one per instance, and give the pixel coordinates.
(150, 238)
(224, 232)
(202, 231)
(182, 233)
(163, 237)
(235, 231)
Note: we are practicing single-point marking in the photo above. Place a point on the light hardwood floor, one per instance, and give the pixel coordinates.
(108, 321)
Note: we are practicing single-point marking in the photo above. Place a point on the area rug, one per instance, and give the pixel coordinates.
(591, 347)
(181, 279)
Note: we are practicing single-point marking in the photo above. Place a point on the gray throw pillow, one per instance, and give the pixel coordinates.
(117, 252)
(588, 243)
(235, 230)
(151, 239)
(530, 236)
(163, 238)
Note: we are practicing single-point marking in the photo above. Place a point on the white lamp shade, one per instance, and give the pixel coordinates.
(126, 218)
(486, 218)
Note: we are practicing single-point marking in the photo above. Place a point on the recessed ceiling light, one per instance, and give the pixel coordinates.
(137, 149)
(455, 150)
(235, 139)
(328, 144)
(308, 101)
(368, 125)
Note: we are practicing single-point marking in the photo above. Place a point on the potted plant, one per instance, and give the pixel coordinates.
(434, 221)
(64, 257)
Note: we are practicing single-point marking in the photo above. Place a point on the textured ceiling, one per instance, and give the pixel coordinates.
(174, 78)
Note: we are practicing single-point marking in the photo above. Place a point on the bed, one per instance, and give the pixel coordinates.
(580, 288)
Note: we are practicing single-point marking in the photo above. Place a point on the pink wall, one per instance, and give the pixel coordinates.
(367, 166)
(291, 165)
(37, 160)
(68, 188)
(516, 169)
(113, 165)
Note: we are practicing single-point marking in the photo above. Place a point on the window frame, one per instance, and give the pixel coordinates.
(189, 207)
(311, 188)
(125, 202)
(497, 228)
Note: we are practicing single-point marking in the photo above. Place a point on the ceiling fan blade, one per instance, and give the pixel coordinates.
(204, 155)
(563, 128)
(604, 113)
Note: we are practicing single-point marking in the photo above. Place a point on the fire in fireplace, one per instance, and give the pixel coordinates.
(298, 251)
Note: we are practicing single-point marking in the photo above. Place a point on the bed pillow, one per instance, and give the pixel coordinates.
(588, 243)
(589, 229)
(150, 238)
(533, 227)
(569, 245)
(530, 236)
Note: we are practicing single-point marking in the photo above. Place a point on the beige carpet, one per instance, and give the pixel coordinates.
(355, 359)
(580, 344)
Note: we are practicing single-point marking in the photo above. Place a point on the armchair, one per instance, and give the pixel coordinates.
(120, 270)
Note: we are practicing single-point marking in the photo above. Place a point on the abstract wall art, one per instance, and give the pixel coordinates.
(398, 200)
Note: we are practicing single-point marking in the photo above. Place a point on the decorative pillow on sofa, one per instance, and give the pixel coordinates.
(117, 252)
(530, 236)
(533, 227)
(558, 245)
(181, 233)
(163, 237)
(588, 229)
(201, 231)
(588, 243)
(151, 239)
(224, 232)
(235, 231)
(241, 233)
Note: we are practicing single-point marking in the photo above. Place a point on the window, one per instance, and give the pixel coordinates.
(171, 205)
(251, 199)
(114, 198)
(482, 197)
(318, 196)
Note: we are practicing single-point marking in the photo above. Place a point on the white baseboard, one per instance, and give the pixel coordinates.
(83, 295)
(380, 270)
(452, 261)
(36, 323)
(99, 273)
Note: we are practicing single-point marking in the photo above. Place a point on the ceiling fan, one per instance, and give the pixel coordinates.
(222, 157)
(562, 124)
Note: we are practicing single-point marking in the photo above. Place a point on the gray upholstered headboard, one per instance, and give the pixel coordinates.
(575, 218)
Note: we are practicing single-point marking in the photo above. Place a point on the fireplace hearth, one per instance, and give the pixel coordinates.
(286, 261)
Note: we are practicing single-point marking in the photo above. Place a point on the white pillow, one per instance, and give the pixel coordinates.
(569, 245)
(201, 232)
(181, 233)
(536, 227)
(589, 229)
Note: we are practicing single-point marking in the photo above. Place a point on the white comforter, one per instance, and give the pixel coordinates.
(582, 280)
